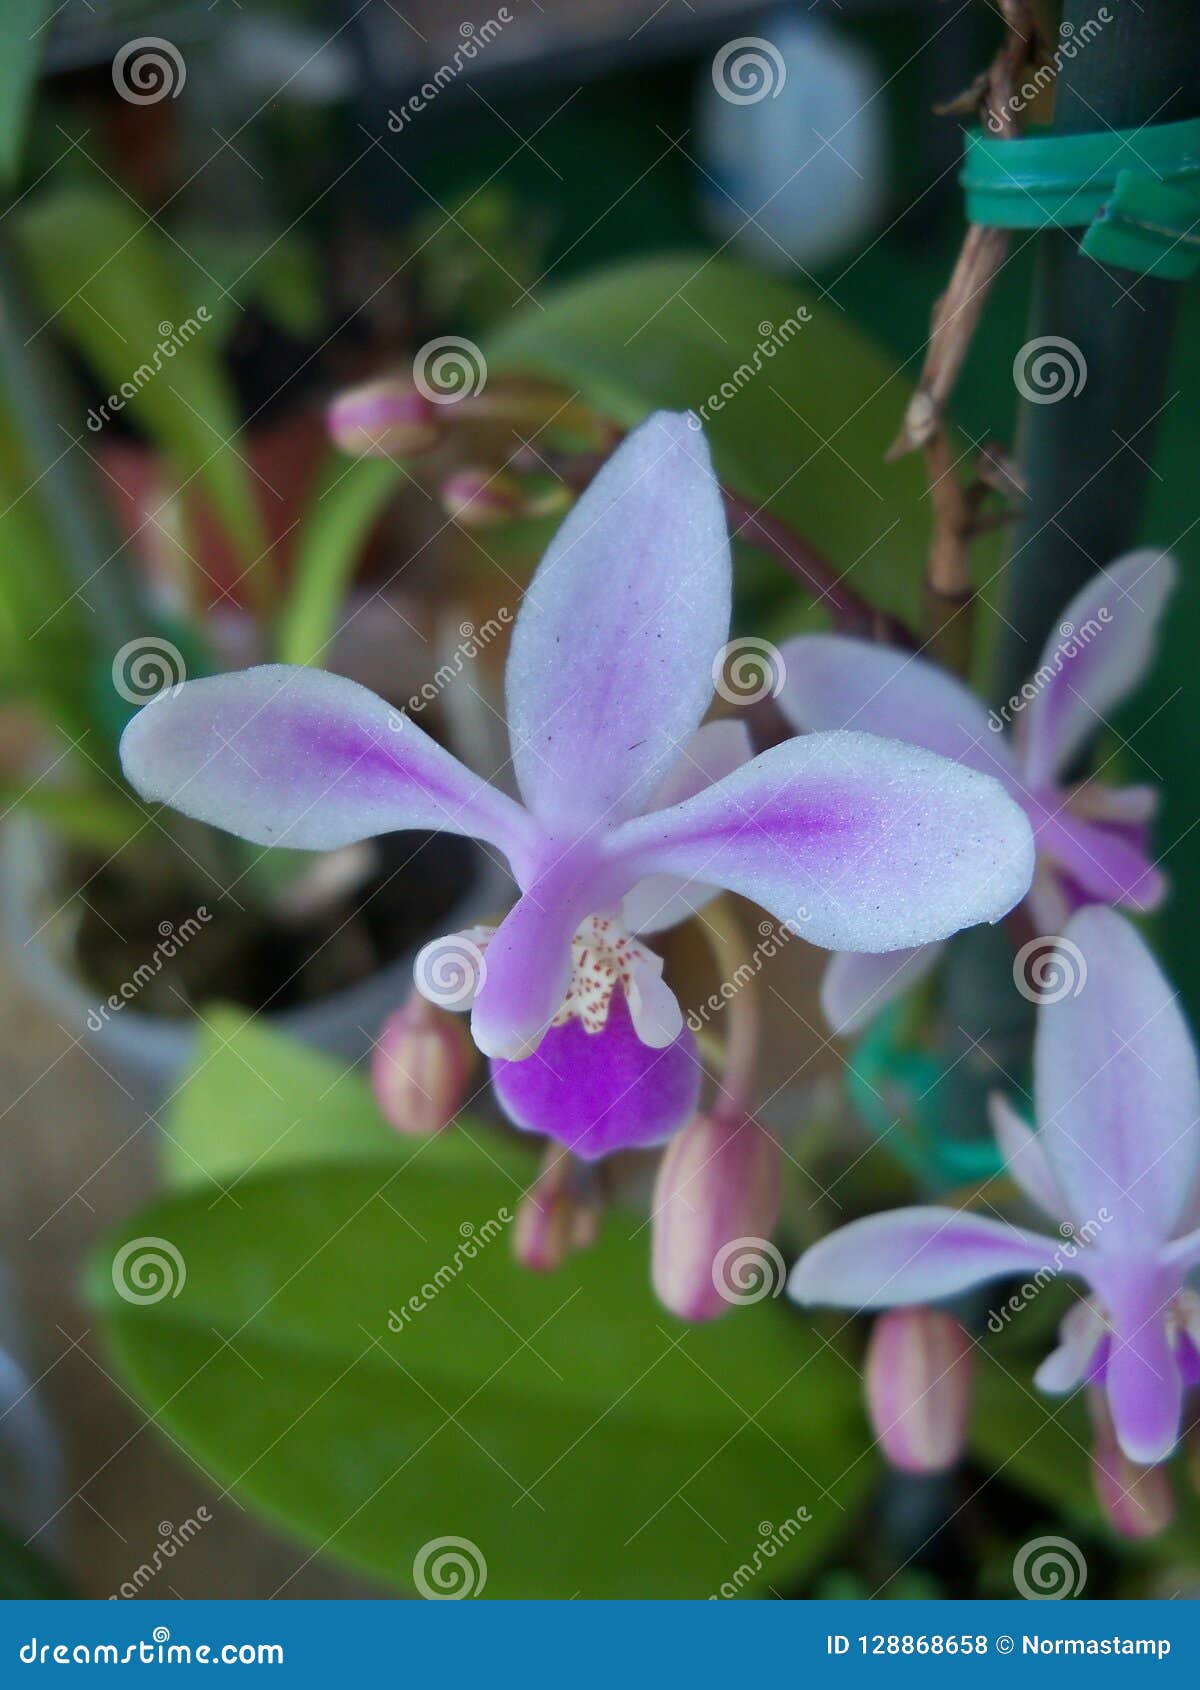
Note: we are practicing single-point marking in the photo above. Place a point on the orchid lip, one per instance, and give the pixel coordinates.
(605, 959)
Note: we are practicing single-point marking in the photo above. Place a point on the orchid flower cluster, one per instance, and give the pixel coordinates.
(893, 818)
(632, 815)
(1092, 839)
(1115, 1165)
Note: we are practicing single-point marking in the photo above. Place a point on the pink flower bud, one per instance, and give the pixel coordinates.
(716, 1201)
(383, 418)
(480, 498)
(1138, 1501)
(918, 1377)
(557, 1216)
(421, 1068)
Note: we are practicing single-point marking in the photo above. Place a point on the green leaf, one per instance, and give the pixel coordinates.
(808, 411)
(1039, 1443)
(255, 1103)
(582, 1441)
(107, 279)
(1043, 1444)
(43, 640)
(91, 816)
(23, 34)
(345, 507)
(303, 1222)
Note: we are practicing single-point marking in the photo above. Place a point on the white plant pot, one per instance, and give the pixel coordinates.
(147, 1054)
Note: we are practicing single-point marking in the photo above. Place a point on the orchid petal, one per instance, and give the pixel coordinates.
(1024, 1157)
(1117, 1090)
(1132, 807)
(528, 970)
(1144, 1384)
(299, 757)
(1079, 1334)
(612, 652)
(1049, 901)
(914, 1256)
(601, 1092)
(1103, 861)
(1080, 681)
(861, 844)
(858, 985)
(834, 681)
(1184, 1253)
(661, 901)
(653, 1007)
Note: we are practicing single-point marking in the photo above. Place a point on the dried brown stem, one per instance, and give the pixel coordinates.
(956, 314)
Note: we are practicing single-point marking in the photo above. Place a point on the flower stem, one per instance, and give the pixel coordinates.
(735, 961)
(814, 571)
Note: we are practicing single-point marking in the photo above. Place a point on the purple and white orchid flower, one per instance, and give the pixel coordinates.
(1116, 1162)
(1091, 839)
(630, 819)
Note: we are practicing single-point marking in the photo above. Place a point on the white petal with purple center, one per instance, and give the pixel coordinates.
(862, 844)
(299, 757)
(611, 664)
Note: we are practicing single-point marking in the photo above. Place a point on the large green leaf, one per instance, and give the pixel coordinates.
(108, 279)
(256, 1103)
(581, 1438)
(804, 432)
(23, 32)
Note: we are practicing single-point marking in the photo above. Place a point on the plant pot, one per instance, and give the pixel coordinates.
(147, 1054)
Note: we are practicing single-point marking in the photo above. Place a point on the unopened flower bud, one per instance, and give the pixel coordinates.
(557, 1215)
(382, 419)
(716, 1201)
(480, 498)
(421, 1068)
(1138, 1501)
(918, 1377)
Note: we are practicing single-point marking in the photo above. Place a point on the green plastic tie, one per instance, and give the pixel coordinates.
(1135, 191)
(898, 1089)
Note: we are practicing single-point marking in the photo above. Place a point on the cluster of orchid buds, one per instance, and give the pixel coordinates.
(892, 818)
(458, 435)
